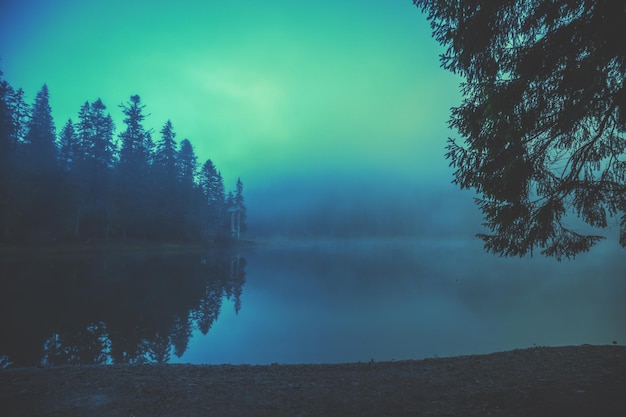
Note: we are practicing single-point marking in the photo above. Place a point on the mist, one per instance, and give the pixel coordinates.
(365, 206)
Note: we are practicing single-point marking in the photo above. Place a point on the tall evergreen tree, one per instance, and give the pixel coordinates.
(84, 131)
(70, 196)
(21, 114)
(41, 136)
(191, 197)
(68, 146)
(240, 205)
(136, 140)
(93, 171)
(165, 184)
(187, 163)
(166, 152)
(7, 128)
(102, 149)
(133, 169)
(7, 157)
(14, 184)
(40, 180)
(212, 185)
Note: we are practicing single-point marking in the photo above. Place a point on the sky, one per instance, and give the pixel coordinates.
(269, 91)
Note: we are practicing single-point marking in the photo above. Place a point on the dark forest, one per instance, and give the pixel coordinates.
(90, 184)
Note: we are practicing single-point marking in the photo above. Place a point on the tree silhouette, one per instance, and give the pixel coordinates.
(37, 157)
(21, 115)
(41, 137)
(165, 183)
(239, 203)
(543, 117)
(133, 169)
(92, 170)
(80, 186)
(187, 163)
(190, 196)
(7, 158)
(212, 185)
(165, 156)
(15, 187)
(68, 146)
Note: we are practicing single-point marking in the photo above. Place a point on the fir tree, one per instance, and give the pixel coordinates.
(167, 212)
(20, 114)
(212, 185)
(68, 146)
(187, 163)
(133, 170)
(7, 157)
(93, 171)
(239, 204)
(191, 198)
(37, 178)
(165, 155)
(543, 119)
(41, 136)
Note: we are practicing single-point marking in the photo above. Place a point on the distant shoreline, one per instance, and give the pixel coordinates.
(111, 247)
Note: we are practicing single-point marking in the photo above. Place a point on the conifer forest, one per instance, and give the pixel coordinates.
(93, 181)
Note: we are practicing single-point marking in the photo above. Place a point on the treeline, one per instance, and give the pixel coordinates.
(91, 184)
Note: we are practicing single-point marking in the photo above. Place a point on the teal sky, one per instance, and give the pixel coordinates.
(267, 90)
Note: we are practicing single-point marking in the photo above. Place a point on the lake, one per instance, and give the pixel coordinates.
(306, 302)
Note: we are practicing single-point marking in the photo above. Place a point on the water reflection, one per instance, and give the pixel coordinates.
(357, 300)
(112, 309)
(307, 302)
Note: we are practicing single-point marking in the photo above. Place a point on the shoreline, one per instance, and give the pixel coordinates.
(12, 252)
(540, 381)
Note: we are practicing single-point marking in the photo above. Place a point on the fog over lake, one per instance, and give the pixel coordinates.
(344, 301)
(307, 301)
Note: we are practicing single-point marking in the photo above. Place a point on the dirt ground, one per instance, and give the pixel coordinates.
(565, 381)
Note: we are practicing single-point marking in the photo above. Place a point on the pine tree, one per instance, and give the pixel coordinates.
(133, 170)
(187, 163)
(41, 137)
(136, 140)
(15, 180)
(102, 148)
(239, 204)
(68, 146)
(84, 132)
(7, 157)
(212, 185)
(191, 198)
(38, 176)
(7, 129)
(165, 155)
(543, 118)
(167, 215)
(95, 149)
(68, 153)
(91, 174)
(21, 115)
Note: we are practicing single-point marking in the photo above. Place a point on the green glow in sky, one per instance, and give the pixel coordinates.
(265, 89)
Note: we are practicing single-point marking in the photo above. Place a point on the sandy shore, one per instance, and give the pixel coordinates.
(564, 381)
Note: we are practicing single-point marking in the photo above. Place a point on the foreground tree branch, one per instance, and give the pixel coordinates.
(543, 120)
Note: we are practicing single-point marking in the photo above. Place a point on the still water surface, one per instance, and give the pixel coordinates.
(306, 302)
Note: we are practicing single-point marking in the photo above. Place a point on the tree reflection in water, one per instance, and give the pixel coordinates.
(112, 309)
